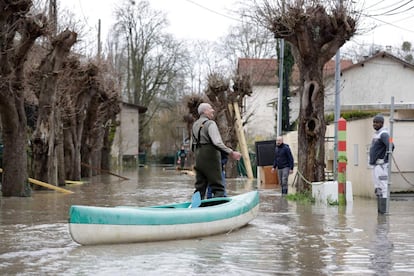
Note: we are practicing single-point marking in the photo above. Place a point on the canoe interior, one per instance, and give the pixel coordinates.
(169, 214)
(204, 203)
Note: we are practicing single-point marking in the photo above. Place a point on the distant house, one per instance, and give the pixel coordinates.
(126, 141)
(369, 84)
(261, 107)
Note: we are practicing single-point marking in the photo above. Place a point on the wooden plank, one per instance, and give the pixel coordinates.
(74, 182)
(46, 185)
(242, 141)
(49, 186)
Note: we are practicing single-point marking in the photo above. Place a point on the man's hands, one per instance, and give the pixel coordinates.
(235, 155)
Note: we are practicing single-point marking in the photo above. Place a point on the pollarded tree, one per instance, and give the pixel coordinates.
(316, 29)
(89, 100)
(46, 140)
(18, 32)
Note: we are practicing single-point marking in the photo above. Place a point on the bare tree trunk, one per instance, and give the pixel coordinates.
(44, 137)
(312, 127)
(88, 146)
(106, 149)
(14, 181)
(72, 172)
(73, 124)
(99, 114)
(73, 140)
(61, 174)
(96, 160)
(15, 22)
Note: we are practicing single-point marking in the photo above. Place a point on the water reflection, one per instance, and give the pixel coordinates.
(286, 237)
(382, 247)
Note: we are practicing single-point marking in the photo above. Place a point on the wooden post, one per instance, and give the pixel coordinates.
(242, 140)
(342, 160)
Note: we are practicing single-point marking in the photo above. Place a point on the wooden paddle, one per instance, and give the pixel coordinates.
(195, 200)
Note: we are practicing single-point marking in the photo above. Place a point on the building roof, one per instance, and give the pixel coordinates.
(265, 71)
(380, 55)
(140, 108)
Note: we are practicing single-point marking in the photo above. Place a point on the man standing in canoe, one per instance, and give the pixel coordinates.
(208, 144)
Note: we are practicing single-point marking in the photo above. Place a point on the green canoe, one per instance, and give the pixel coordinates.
(124, 224)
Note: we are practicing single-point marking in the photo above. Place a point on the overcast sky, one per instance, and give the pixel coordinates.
(210, 19)
(187, 19)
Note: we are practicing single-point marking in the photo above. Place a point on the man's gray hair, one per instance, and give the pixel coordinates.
(203, 107)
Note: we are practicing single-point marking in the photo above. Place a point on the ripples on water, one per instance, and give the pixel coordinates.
(286, 237)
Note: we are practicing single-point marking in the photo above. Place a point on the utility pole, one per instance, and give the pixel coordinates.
(337, 112)
(280, 94)
(99, 40)
(53, 16)
(390, 148)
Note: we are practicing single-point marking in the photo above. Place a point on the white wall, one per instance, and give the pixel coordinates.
(262, 125)
(127, 134)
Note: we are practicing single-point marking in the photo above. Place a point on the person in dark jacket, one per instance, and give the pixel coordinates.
(283, 162)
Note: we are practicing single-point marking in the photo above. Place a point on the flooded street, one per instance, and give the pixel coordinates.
(286, 237)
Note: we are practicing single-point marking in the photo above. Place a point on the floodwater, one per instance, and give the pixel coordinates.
(286, 237)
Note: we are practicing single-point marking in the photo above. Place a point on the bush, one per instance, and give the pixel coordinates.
(351, 115)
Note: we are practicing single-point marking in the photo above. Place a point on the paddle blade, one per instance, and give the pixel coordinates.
(196, 200)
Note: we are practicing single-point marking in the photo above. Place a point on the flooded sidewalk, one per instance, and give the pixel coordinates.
(286, 237)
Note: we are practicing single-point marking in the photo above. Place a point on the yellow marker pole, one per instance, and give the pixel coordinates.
(46, 185)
